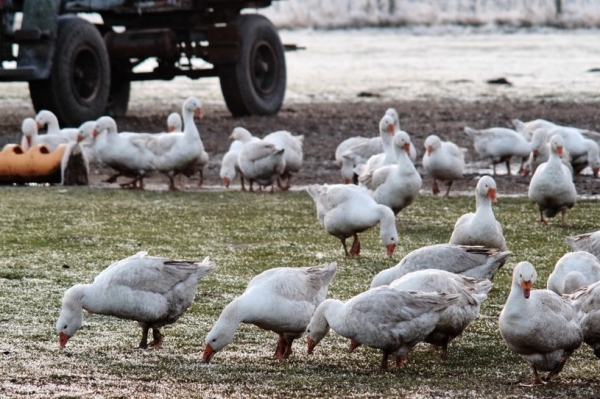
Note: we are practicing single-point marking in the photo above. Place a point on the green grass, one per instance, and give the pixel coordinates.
(52, 238)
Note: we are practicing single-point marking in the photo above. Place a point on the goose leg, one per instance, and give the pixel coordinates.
(171, 183)
(449, 185)
(158, 339)
(564, 217)
(508, 167)
(112, 179)
(536, 380)
(251, 183)
(288, 348)
(345, 247)
(353, 345)
(542, 220)
(144, 342)
(242, 180)
(435, 189)
(200, 178)
(560, 366)
(281, 347)
(494, 168)
(384, 360)
(355, 250)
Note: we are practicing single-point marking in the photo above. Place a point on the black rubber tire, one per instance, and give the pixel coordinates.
(255, 85)
(118, 97)
(78, 86)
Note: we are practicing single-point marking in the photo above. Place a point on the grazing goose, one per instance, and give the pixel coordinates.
(589, 242)
(573, 271)
(86, 132)
(388, 157)
(346, 210)
(444, 161)
(174, 122)
(457, 316)
(481, 227)
(586, 302)
(150, 290)
(551, 187)
(591, 158)
(48, 119)
(540, 153)
(412, 153)
(538, 325)
(381, 318)
(500, 145)
(31, 137)
(281, 300)
(229, 165)
(292, 154)
(395, 186)
(471, 261)
(127, 153)
(258, 160)
(355, 151)
(573, 140)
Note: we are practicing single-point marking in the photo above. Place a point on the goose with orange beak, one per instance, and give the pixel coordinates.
(444, 161)
(551, 187)
(31, 136)
(538, 325)
(481, 227)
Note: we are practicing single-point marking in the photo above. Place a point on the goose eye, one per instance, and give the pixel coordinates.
(308, 331)
(65, 327)
(214, 340)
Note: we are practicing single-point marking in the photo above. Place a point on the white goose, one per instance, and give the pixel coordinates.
(551, 187)
(573, 140)
(259, 160)
(174, 122)
(591, 158)
(281, 300)
(292, 155)
(457, 316)
(381, 318)
(229, 165)
(540, 152)
(127, 153)
(395, 186)
(589, 242)
(444, 161)
(388, 157)
(527, 129)
(31, 136)
(412, 154)
(346, 210)
(573, 271)
(538, 325)
(47, 118)
(86, 132)
(499, 145)
(471, 261)
(355, 151)
(481, 227)
(585, 302)
(179, 152)
(153, 291)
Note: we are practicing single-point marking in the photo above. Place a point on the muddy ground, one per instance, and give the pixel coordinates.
(325, 125)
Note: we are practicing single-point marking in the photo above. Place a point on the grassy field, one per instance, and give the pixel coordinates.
(52, 238)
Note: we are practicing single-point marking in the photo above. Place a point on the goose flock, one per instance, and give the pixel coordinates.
(431, 295)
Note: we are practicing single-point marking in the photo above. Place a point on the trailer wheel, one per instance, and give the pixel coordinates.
(78, 86)
(255, 84)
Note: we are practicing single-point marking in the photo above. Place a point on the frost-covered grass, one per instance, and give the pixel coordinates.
(52, 238)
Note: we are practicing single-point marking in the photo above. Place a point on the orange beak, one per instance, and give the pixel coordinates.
(209, 352)
(391, 129)
(353, 345)
(347, 181)
(231, 137)
(492, 194)
(226, 181)
(95, 133)
(39, 125)
(311, 345)
(63, 338)
(390, 249)
(526, 287)
(536, 154)
(406, 148)
(559, 150)
(28, 138)
(429, 149)
(198, 113)
(79, 138)
(171, 129)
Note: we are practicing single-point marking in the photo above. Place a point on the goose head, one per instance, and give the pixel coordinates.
(486, 188)
(86, 131)
(524, 276)
(222, 332)
(318, 327)
(44, 118)
(557, 145)
(387, 129)
(241, 134)
(174, 122)
(402, 141)
(71, 316)
(387, 229)
(105, 123)
(29, 129)
(432, 143)
(192, 106)
(394, 114)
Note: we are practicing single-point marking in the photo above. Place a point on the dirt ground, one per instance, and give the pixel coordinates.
(325, 125)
